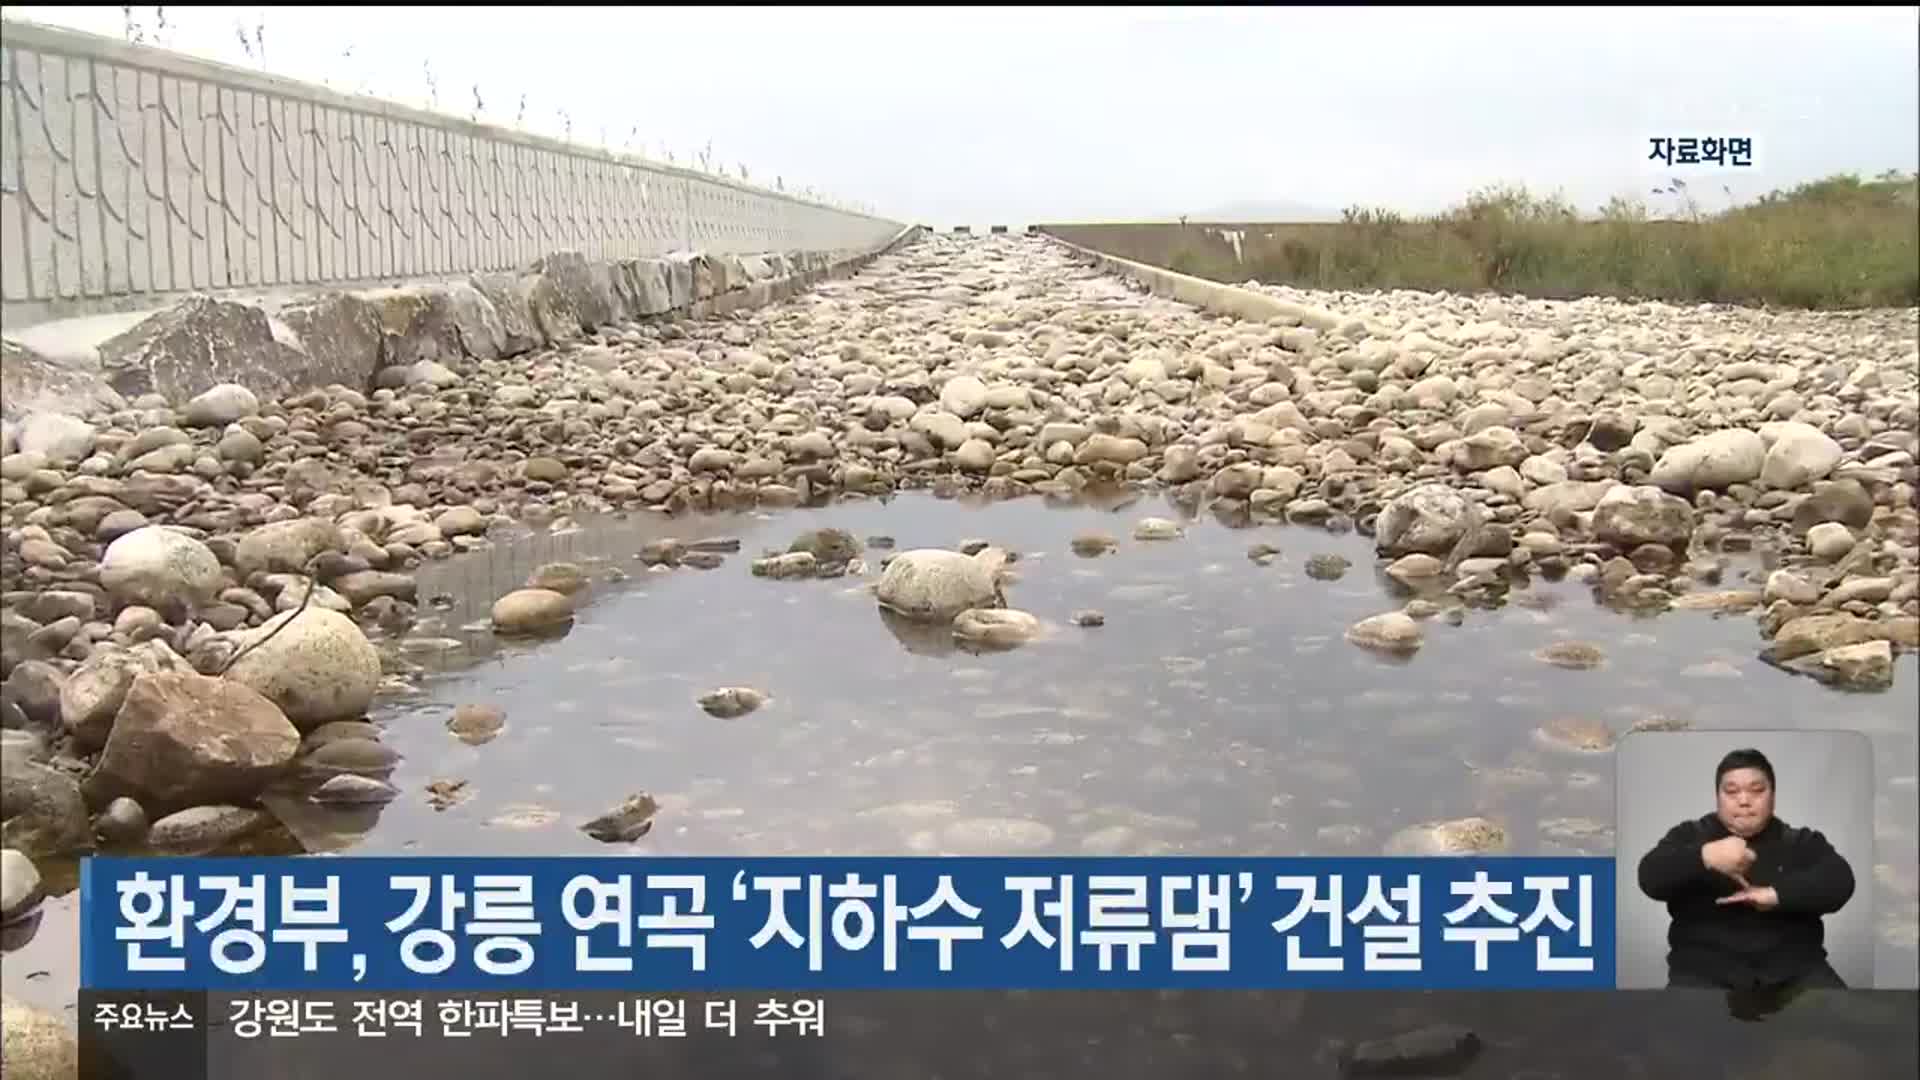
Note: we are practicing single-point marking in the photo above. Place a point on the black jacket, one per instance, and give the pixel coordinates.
(1737, 945)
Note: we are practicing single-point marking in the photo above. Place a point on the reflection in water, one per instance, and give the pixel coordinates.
(321, 827)
(20, 931)
(1219, 710)
(919, 637)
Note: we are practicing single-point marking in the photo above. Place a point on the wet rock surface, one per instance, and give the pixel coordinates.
(42, 812)
(732, 701)
(938, 586)
(995, 628)
(1392, 631)
(181, 739)
(19, 885)
(476, 724)
(532, 611)
(348, 789)
(200, 830)
(625, 823)
(315, 665)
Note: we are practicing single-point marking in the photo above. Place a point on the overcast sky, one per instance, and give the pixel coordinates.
(980, 116)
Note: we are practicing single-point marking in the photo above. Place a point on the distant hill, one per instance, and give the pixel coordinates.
(1247, 211)
(1264, 211)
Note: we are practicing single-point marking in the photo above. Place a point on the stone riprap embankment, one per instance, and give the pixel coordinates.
(1640, 447)
(281, 344)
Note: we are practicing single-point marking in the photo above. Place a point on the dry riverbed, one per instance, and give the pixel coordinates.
(978, 551)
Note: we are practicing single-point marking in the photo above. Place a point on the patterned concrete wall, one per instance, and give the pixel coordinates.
(129, 173)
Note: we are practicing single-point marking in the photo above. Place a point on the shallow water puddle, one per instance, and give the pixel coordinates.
(1215, 712)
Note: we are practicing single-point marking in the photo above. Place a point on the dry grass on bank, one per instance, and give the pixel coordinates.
(1842, 242)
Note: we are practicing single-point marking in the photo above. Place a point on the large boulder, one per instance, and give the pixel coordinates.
(92, 696)
(184, 739)
(1431, 518)
(700, 267)
(680, 283)
(937, 585)
(441, 323)
(758, 268)
(341, 337)
(605, 276)
(553, 313)
(728, 273)
(1822, 632)
(585, 287)
(643, 283)
(1866, 665)
(160, 567)
(316, 665)
(1628, 517)
(1711, 462)
(41, 809)
(198, 344)
(509, 295)
(287, 546)
(1797, 455)
(32, 382)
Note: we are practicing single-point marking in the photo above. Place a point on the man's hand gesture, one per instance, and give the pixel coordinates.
(1730, 856)
(1762, 898)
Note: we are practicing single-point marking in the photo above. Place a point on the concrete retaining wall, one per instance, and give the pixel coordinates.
(1201, 293)
(130, 176)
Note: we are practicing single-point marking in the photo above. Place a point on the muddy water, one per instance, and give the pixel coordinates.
(1217, 711)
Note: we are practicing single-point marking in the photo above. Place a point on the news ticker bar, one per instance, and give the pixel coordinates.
(816, 924)
(400, 1015)
(196, 1035)
(157, 1035)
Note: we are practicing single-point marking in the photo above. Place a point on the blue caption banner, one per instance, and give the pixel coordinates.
(721, 924)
